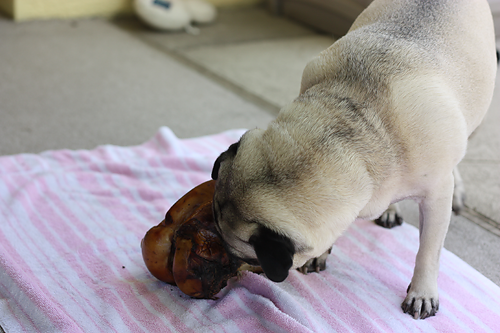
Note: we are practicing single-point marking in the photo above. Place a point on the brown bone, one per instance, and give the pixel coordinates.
(186, 250)
(158, 241)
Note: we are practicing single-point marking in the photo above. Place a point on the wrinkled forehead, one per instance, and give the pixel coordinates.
(226, 211)
(237, 214)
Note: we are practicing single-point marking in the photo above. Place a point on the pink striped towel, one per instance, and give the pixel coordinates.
(70, 260)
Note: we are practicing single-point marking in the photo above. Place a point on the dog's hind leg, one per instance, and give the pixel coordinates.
(391, 217)
(458, 193)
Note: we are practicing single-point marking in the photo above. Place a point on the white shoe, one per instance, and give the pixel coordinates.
(201, 11)
(164, 14)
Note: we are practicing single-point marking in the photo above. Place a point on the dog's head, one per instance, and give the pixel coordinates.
(245, 233)
(263, 209)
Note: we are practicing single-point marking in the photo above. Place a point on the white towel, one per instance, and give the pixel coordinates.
(71, 223)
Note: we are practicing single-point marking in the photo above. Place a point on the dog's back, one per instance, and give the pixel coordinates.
(453, 39)
(426, 70)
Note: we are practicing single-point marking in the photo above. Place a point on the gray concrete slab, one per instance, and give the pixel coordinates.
(484, 144)
(233, 26)
(482, 183)
(480, 167)
(80, 84)
(270, 69)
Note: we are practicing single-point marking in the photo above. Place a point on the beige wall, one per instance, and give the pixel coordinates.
(36, 9)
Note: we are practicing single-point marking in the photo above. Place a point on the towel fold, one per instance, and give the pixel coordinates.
(71, 223)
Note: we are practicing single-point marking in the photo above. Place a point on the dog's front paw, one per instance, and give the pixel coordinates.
(420, 304)
(315, 264)
(391, 217)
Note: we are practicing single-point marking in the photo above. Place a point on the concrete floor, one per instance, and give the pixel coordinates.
(78, 84)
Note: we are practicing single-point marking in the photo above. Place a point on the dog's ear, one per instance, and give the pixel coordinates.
(275, 253)
(230, 152)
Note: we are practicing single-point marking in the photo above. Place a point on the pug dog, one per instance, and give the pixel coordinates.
(383, 115)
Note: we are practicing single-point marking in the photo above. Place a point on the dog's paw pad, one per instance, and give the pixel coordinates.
(389, 219)
(315, 264)
(420, 307)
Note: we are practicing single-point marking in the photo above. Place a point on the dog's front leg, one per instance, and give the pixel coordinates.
(435, 212)
(315, 264)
